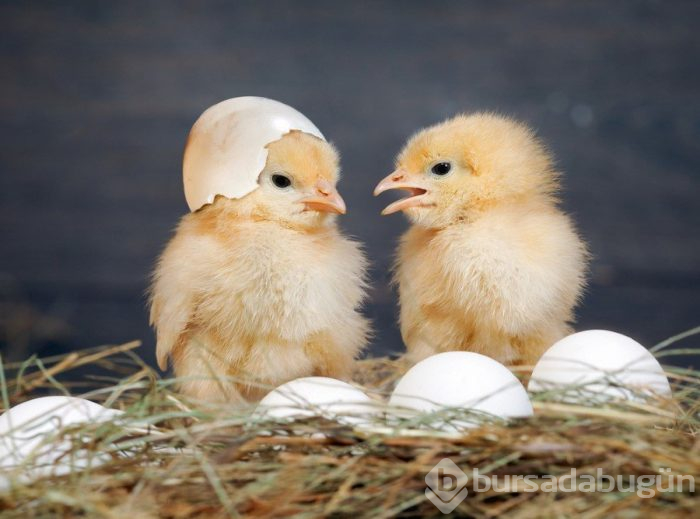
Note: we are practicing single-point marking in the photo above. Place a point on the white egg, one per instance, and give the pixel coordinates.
(595, 366)
(319, 396)
(31, 442)
(227, 147)
(455, 381)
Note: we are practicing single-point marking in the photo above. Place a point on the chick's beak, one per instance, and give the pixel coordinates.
(399, 179)
(325, 199)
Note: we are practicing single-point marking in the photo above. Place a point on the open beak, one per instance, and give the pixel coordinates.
(326, 199)
(399, 180)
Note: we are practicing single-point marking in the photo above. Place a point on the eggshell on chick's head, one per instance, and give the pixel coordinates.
(596, 366)
(318, 396)
(226, 149)
(30, 436)
(457, 381)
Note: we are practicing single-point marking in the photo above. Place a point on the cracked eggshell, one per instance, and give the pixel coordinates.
(596, 366)
(460, 380)
(319, 396)
(226, 148)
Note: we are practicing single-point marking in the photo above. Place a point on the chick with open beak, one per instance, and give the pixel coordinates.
(491, 263)
(258, 286)
(402, 180)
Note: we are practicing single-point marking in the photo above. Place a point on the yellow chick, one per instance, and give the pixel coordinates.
(257, 291)
(490, 263)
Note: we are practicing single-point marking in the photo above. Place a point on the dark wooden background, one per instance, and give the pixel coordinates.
(96, 99)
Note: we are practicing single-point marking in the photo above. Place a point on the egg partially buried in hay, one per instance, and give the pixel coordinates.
(33, 443)
(457, 390)
(596, 366)
(319, 396)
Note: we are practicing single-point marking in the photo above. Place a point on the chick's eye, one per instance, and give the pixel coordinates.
(281, 181)
(441, 168)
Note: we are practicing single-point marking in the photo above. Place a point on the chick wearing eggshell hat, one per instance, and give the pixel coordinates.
(227, 147)
(258, 286)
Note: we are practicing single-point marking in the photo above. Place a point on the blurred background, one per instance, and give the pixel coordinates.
(96, 99)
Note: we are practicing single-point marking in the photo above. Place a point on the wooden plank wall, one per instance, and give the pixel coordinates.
(96, 99)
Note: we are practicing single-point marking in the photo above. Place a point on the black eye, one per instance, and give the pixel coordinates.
(442, 168)
(281, 181)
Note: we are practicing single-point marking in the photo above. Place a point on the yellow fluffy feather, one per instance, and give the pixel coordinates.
(253, 292)
(490, 263)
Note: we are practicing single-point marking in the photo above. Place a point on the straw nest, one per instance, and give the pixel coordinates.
(183, 459)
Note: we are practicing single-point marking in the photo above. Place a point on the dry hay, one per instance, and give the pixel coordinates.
(209, 461)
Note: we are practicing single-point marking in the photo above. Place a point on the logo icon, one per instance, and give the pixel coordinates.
(446, 485)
